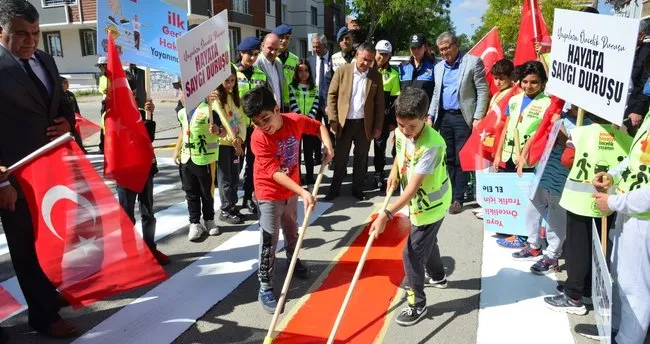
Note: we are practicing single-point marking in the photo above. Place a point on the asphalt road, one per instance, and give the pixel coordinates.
(453, 312)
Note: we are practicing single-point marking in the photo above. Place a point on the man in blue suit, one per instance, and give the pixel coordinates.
(321, 69)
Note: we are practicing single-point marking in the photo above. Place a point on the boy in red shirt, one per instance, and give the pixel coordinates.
(276, 171)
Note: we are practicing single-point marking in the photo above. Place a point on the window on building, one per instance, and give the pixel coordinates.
(52, 43)
(283, 18)
(235, 38)
(268, 6)
(303, 48)
(314, 16)
(88, 40)
(240, 6)
(335, 21)
(59, 2)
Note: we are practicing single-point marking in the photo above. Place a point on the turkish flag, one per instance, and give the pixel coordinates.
(531, 29)
(490, 51)
(538, 142)
(85, 243)
(128, 152)
(480, 148)
(84, 127)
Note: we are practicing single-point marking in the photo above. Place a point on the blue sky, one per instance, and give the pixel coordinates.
(466, 14)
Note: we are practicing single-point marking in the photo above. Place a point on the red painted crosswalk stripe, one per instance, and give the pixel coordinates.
(377, 286)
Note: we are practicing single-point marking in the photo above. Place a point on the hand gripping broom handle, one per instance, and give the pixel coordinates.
(294, 258)
(357, 273)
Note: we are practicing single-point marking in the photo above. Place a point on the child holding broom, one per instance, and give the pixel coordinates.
(275, 143)
(420, 170)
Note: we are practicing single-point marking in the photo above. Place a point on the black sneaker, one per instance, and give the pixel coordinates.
(251, 206)
(565, 304)
(410, 315)
(300, 270)
(229, 218)
(544, 266)
(238, 215)
(267, 300)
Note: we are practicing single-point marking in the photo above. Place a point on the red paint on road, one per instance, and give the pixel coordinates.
(8, 304)
(377, 286)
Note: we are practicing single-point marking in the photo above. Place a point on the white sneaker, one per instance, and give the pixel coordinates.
(477, 210)
(212, 227)
(196, 230)
(479, 215)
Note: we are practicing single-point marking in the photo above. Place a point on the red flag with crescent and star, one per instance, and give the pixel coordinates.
(490, 51)
(532, 29)
(85, 127)
(538, 141)
(128, 153)
(480, 148)
(85, 243)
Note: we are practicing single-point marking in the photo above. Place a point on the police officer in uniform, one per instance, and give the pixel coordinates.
(289, 60)
(390, 77)
(347, 53)
(418, 71)
(249, 77)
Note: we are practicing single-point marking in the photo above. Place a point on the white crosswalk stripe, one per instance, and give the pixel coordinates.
(169, 220)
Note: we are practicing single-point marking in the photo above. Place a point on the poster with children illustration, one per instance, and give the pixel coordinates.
(145, 32)
(504, 198)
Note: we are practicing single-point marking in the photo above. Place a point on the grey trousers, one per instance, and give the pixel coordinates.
(631, 274)
(273, 215)
(228, 177)
(544, 201)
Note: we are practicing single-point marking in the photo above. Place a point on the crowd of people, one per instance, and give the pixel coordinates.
(276, 110)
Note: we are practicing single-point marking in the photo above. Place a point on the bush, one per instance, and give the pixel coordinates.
(86, 93)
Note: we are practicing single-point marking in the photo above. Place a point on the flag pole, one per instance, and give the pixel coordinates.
(147, 88)
(532, 11)
(37, 153)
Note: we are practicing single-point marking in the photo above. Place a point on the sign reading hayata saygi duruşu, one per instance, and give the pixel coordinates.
(145, 32)
(591, 61)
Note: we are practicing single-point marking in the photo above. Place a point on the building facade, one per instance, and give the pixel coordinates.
(69, 27)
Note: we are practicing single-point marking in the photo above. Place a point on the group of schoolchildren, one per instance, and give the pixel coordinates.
(593, 170)
(219, 135)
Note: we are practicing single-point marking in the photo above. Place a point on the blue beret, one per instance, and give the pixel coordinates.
(283, 29)
(249, 43)
(342, 32)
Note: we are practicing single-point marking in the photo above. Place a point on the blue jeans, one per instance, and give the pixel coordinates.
(455, 131)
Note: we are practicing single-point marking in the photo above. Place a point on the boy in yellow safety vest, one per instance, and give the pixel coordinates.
(631, 237)
(590, 149)
(420, 170)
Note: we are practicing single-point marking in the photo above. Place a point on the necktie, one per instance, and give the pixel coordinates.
(37, 82)
(321, 73)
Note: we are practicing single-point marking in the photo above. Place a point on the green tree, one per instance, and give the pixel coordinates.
(506, 15)
(397, 20)
(464, 42)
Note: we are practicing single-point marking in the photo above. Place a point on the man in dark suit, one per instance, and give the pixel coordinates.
(138, 75)
(321, 69)
(33, 113)
(355, 108)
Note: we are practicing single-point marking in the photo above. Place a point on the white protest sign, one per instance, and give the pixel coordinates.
(205, 58)
(591, 61)
(601, 285)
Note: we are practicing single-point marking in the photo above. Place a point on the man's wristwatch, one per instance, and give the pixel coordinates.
(388, 214)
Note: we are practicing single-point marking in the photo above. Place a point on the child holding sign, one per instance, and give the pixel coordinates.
(231, 114)
(275, 143)
(197, 151)
(419, 169)
(591, 149)
(546, 200)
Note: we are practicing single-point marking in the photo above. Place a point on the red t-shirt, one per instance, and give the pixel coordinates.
(279, 152)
